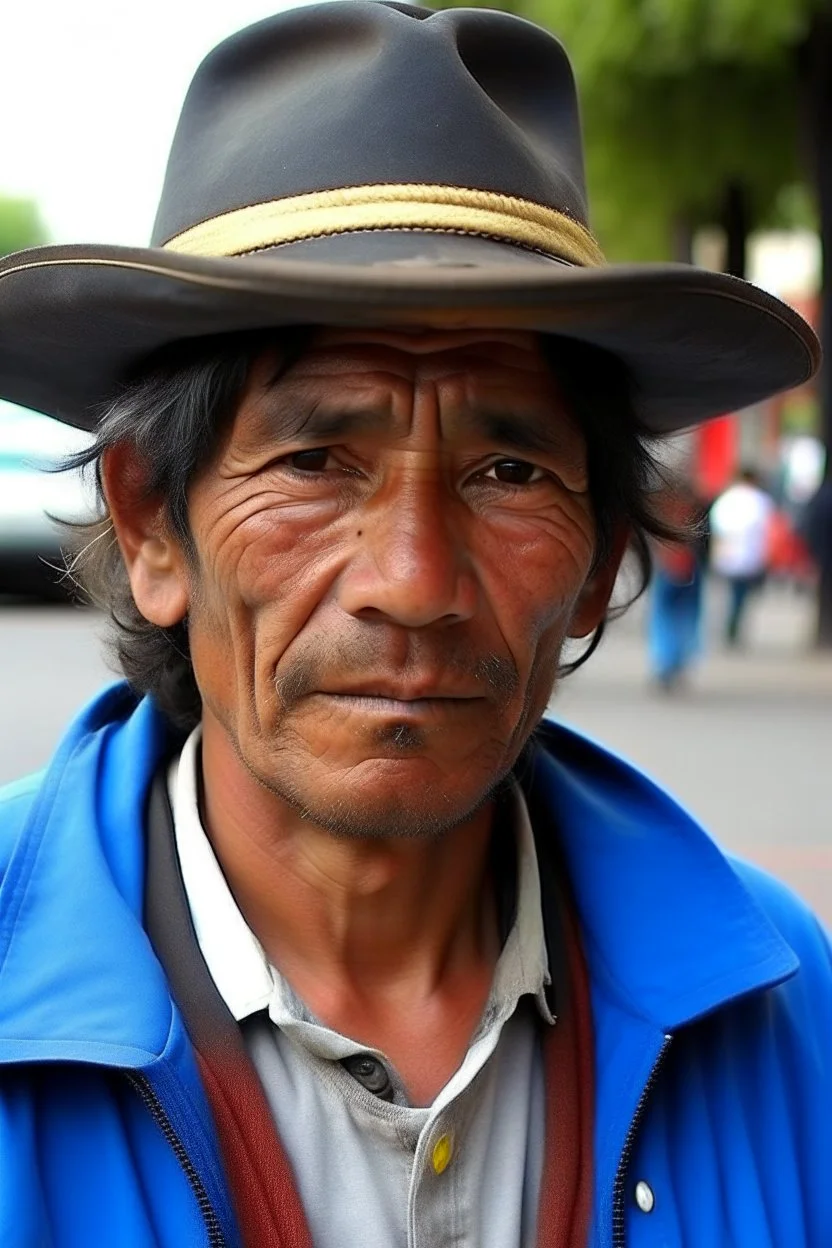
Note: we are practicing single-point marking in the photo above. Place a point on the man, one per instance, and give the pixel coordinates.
(315, 933)
(741, 523)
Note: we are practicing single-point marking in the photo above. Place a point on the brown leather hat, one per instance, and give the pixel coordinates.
(364, 163)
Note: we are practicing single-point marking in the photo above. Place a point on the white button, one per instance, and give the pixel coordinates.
(644, 1197)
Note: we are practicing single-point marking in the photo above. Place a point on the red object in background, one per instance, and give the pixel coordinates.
(716, 456)
(788, 554)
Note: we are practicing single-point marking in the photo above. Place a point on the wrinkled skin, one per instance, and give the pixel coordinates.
(393, 542)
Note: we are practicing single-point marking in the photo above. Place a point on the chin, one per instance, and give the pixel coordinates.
(386, 799)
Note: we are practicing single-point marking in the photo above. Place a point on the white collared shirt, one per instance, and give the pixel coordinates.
(374, 1170)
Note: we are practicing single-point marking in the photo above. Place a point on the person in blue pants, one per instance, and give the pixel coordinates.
(677, 593)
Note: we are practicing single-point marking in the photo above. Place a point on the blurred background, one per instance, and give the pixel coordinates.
(708, 127)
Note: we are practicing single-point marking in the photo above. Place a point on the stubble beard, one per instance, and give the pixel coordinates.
(396, 816)
(344, 815)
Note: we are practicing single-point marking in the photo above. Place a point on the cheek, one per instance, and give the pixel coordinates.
(537, 571)
(535, 578)
(257, 551)
(263, 571)
(284, 564)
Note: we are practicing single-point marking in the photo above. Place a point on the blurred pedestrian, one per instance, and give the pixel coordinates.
(741, 525)
(677, 589)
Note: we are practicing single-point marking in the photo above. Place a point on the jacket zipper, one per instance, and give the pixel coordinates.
(216, 1238)
(619, 1233)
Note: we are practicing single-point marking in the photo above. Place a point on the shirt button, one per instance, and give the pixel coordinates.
(442, 1152)
(371, 1073)
(644, 1197)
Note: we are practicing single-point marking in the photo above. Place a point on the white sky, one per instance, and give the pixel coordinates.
(90, 92)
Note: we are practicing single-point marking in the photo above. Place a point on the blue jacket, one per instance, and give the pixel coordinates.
(105, 1134)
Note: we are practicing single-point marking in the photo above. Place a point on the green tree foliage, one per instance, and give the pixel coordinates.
(662, 152)
(680, 99)
(683, 98)
(20, 225)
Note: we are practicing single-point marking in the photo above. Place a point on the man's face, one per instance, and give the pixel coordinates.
(392, 544)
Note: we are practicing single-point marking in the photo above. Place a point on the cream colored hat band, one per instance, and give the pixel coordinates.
(451, 209)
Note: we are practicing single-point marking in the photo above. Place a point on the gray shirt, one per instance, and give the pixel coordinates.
(370, 1168)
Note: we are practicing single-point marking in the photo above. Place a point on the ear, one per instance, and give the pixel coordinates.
(594, 598)
(155, 561)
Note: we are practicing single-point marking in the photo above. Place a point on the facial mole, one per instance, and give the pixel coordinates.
(360, 531)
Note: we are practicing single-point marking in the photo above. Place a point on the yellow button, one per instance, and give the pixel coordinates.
(442, 1152)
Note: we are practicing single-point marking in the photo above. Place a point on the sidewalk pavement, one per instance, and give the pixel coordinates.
(778, 655)
(745, 743)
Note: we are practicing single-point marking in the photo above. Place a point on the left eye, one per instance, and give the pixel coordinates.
(314, 460)
(515, 472)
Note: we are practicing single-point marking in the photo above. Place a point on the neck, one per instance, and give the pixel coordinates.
(359, 927)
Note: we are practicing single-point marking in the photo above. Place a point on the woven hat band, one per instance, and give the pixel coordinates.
(447, 209)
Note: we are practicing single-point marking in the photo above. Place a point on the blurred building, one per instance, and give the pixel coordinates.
(787, 264)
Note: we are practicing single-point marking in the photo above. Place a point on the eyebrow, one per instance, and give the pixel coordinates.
(288, 417)
(292, 416)
(521, 433)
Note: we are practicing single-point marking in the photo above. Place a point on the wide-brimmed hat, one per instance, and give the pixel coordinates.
(374, 164)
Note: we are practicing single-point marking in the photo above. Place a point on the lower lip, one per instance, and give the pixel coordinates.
(366, 704)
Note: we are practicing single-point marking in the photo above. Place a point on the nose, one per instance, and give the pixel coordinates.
(412, 562)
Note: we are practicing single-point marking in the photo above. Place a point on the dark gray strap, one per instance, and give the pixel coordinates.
(171, 931)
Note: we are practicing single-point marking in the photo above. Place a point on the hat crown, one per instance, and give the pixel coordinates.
(367, 93)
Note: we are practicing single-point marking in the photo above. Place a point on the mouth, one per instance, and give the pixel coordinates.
(424, 690)
(401, 703)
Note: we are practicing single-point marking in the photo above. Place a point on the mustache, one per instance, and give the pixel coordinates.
(363, 658)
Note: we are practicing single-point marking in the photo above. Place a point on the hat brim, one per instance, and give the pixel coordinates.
(76, 320)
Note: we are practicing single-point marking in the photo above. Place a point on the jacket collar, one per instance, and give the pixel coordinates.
(670, 932)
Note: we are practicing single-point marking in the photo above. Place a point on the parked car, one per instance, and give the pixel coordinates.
(33, 497)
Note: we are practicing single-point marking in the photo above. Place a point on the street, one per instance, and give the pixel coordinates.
(748, 748)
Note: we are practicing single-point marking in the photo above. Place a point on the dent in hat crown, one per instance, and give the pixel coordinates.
(365, 115)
